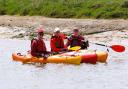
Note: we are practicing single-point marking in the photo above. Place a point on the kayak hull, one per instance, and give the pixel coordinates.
(101, 56)
(90, 56)
(52, 59)
(75, 57)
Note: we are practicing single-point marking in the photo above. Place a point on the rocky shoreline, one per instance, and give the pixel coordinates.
(23, 27)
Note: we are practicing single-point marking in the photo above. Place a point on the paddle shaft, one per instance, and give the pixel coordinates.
(100, 44)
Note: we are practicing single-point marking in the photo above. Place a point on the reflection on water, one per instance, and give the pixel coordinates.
(14, 75)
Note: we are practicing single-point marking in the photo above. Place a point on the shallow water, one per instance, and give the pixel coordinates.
(14, 75)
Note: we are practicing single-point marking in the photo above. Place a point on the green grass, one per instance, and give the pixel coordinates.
(98, 9)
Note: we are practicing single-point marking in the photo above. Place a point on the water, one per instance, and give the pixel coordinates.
(14, 75)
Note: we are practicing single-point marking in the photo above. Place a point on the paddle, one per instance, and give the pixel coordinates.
(75, 48)
(117, 48)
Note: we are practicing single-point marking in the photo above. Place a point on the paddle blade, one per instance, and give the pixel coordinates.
(75, 48)
(118, 48)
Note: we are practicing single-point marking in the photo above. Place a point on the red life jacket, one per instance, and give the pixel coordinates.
(37, 47)
(56, 43)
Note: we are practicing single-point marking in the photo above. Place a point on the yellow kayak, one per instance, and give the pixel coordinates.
(52, 59)
(74, 57)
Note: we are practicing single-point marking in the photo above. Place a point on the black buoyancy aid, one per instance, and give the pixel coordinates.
(75, 40)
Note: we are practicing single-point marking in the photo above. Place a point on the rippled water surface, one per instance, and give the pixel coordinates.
(14, 75)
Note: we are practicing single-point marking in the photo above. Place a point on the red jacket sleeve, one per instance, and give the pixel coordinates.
(34, 48)
(82, 38)
(53, 46)
(63, 43)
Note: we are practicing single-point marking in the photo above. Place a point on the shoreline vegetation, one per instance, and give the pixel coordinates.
(96, 9)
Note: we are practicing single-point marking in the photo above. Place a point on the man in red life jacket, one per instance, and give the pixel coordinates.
(77, 40)
(57, 43)
(38, 48)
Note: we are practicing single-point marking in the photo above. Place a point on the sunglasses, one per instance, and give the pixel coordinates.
(58, 32)
(41, 34)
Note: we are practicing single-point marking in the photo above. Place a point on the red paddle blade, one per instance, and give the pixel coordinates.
(118, 48)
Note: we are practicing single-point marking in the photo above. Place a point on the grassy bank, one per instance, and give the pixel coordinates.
(66, 8)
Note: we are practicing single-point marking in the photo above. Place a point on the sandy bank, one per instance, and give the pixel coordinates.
(23, 26)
